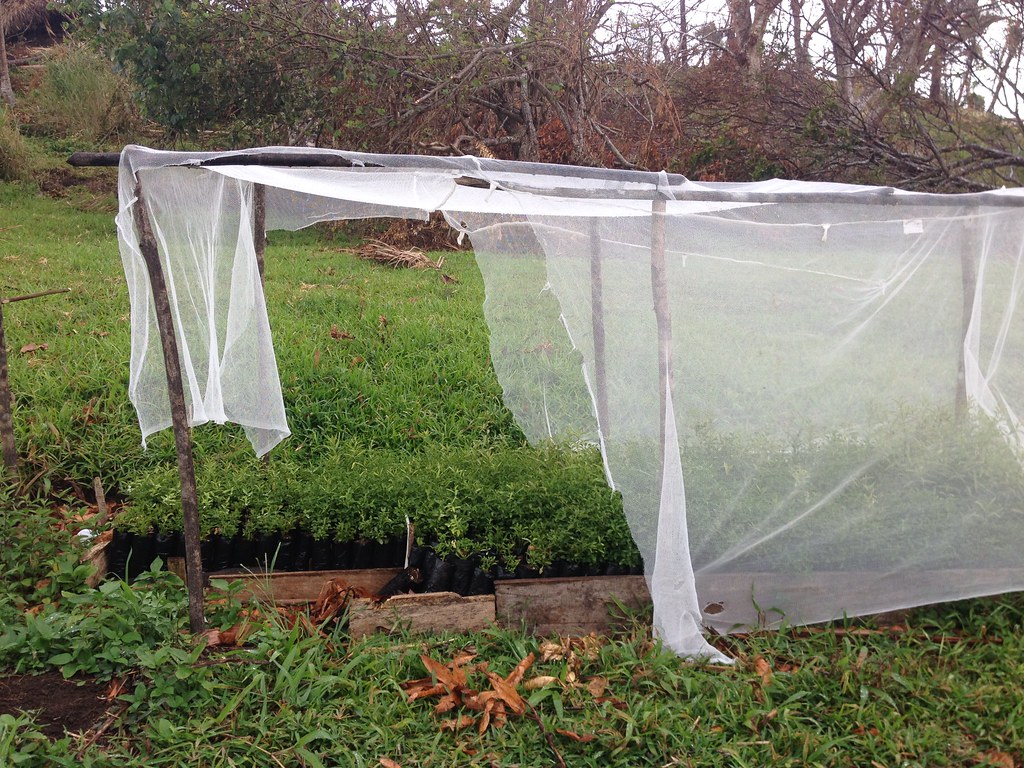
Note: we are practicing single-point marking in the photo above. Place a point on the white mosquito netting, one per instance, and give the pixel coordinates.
(807, 394)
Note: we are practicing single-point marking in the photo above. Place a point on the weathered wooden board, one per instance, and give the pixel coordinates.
(430, 612)
(569, 606)
(291, 587)
(98, 556)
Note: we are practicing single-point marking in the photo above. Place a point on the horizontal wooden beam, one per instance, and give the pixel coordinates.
(429, 612)
(293, 587)
(569, 606)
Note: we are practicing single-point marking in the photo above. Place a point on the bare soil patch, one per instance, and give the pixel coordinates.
(58, 705)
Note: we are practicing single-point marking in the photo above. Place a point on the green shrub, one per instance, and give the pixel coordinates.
(81, 96)
(508, 505)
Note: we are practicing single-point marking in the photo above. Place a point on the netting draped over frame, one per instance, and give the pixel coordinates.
(807, 394)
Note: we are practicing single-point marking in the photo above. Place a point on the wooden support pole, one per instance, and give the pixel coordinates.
(179, 416)
(10, 450)
(597, 322)
(259, 225)
(969, 245)
(663, 319)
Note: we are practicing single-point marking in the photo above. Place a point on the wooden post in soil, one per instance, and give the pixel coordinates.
(179, 416)
(969, 280)
(597, 321)
(259, 241)
(663, 319)
(259, 225)
(9, 449)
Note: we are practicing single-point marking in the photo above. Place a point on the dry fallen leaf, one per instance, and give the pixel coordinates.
(516, 676)
(508, 693)
(763, 669)
(425, 690)
(387, 762)
(584, 737)
(446, 704)
(457, 724)
(32, 347)
(997, 759)
(541, 681)
(117, 686)
(597, 686)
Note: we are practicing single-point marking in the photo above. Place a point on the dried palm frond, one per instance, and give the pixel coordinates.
(16, 14)
(383, 253)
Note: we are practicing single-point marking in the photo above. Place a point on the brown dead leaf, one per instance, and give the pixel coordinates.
(597, 686)
(997, 759)
(117, 686)
(447, 703)
(552, 651)
(387, 762)
(32, 347)
(581, 737)
(763, 669)
(447, 676)
(457, 723)
(516, 676)
(495, 708)
(337, 333)
(508, 693)
(425, 691)
(538, 682)
(478, 701)
(462, 659)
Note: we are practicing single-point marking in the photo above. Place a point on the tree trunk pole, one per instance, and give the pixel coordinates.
(969, 281)
(597, 322)
(179, 416)
(10, 451)
(662, 316)
(259, 225)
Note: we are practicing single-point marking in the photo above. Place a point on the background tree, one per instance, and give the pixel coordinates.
(878, 91)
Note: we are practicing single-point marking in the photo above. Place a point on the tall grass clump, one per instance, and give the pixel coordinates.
(80, 96)
(13, 149)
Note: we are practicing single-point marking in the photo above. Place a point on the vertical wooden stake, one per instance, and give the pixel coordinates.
(259, 240)
(10, 451)
(969, 280)
(662, 316)
(259, 225)
(597, 321)
(179, 416)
